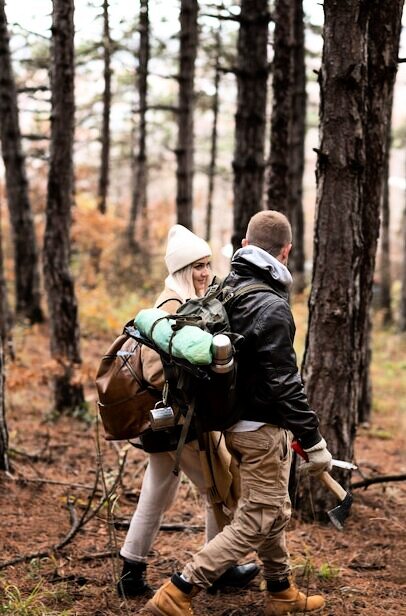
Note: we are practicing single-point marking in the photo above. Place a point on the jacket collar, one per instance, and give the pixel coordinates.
(270, 268)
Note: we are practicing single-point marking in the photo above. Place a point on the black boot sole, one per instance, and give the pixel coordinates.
(224, 587)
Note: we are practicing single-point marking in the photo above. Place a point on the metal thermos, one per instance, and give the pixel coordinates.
(222, 353)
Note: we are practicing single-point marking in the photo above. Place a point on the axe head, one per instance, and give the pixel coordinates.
(339, 514)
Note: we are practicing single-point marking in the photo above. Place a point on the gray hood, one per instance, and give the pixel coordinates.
(264, 261)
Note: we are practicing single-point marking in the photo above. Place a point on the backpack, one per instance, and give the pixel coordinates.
(124, 397)
(205, 399)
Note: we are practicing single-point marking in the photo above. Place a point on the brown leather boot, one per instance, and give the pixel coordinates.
(173, 599)
(291, 601)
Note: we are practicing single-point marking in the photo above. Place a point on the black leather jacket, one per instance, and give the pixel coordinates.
(269, 386)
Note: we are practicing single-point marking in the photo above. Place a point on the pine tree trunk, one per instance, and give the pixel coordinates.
(140, 163)
(64, 324)
(27, 282)
(402, 307)
(282, 99)
(184, 150)
(214, 130)
(4, 461)
(252, 76)
(358, 70)
(385, 262)
(297, 150)
(105, 135)
(383, 49)
(336, 326)
(5, 314)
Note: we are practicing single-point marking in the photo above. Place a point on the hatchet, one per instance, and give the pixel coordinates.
(339, 514)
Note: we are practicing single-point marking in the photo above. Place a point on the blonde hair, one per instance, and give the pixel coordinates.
(183, 280)
(269, 230)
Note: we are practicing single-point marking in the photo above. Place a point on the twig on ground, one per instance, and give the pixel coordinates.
(53, 482)
(107, 554)
(170, 528)
(378, 479)
(77, 523)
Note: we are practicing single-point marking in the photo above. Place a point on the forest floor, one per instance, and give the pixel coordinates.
(55, 479)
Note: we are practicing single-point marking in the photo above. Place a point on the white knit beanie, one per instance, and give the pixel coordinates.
(184, 248)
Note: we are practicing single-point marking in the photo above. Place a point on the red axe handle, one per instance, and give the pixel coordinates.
(330, 483)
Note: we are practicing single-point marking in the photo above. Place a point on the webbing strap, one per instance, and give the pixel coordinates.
(256, 286)
(183, 435)
(170, 299)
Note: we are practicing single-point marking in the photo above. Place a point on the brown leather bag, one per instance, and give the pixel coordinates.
(124, 397)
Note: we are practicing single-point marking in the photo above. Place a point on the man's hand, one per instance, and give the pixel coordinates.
(319, 459)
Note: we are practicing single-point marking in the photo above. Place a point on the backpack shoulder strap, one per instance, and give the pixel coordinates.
(170, 299)
(230, 294)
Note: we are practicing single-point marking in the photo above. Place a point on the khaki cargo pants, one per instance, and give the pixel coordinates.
(263, 510)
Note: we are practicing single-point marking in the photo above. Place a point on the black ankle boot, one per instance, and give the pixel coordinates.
(132, 582)
(237, 576)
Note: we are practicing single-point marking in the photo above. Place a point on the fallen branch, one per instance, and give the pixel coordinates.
(170, 528)
(53, 482)
(86, 557)
(177, 528)
(76, 523)
(379, 479)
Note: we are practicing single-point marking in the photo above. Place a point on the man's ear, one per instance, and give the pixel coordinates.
(285, 252)
(244, 242)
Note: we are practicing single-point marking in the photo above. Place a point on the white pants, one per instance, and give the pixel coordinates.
(159, 488)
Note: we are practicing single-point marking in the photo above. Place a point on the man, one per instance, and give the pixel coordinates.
(272, 406)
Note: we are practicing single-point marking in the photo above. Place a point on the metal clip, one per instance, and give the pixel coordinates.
(165, 392)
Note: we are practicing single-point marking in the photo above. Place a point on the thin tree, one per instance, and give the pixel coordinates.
(105, 133)
(214, 131)
(27, 281)
(4, 461)
(385, 298)
(297, 148)
(402, 308)
(336, 322)
(286, 159)
(185, 145)
(140, 162)
(5, 312)
(252, 75)
(63, 313)
(282, 99)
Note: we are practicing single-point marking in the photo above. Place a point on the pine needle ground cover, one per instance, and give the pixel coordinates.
(70, 494)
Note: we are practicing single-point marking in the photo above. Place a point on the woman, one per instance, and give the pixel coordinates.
(188, 260)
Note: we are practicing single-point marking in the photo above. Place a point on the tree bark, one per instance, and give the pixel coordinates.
(336, 326)
(402, 309)
(4, 461)
(140, 163)
(383, 50)
(356, 80)
(297, 149)
(64, 325)
(214, 130)
(282, 112)
(385, 299)
(252, 75)
(185, 146)
(105, 134)
(5, 313)
(27, 281)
